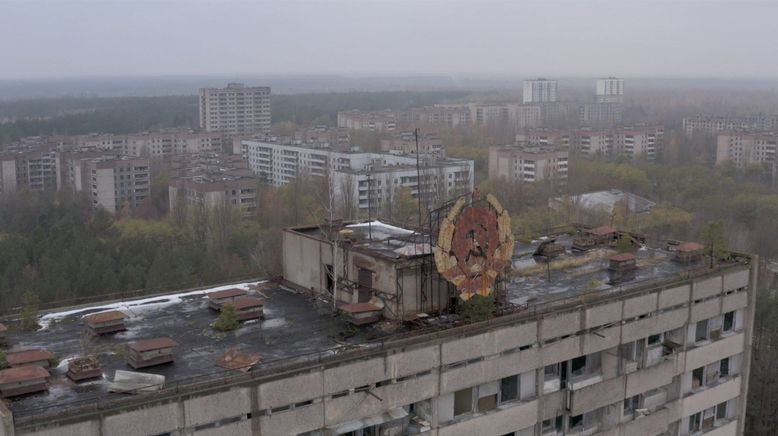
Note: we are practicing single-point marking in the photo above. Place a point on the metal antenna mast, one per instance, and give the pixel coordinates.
(418, 173)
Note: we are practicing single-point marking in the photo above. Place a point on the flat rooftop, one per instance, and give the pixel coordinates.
(574, 273)
(293, 326)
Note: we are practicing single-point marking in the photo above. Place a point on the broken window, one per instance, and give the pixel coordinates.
(695, 422)
(729, 321)
(554, 424)
(655, 339)
(509, 389)
(578, 366)
(631, 405)
(697, 377)
(724, 368)
(701, 331)
(575, 421)
(487, 403)
(463, 401)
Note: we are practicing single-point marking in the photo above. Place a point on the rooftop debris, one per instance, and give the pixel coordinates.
(238, 360)
(130, 382)
(474, 245)
(83, 368)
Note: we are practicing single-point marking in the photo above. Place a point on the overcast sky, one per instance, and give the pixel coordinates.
(711, 38)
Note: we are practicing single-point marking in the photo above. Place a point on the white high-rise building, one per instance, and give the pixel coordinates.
(540, 91)
(236, 109)
(610, 90)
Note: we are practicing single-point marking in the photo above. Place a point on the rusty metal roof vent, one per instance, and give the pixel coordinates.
(474, 245)
(622, 267)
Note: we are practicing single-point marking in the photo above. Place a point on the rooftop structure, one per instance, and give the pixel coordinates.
(22, 380)
(150, 352)
(38, 356)
(103, 323)
(216, 300)
(567, 352)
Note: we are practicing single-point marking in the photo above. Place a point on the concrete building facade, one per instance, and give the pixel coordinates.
(373, 121)
(352, 172)
(236, 109)
(745, 148)
(114, 183)
(540, 91)
(711, 125)
(633, 142)
(34, 170)
(528, 164)
(609, 90)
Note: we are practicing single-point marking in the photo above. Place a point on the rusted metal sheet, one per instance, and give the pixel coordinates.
(474, 245)
(238, 360)
(28, 356)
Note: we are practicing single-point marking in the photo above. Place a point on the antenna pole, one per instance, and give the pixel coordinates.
(369, 208)
(418, 173)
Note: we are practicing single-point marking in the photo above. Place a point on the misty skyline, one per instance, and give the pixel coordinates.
(48, 39)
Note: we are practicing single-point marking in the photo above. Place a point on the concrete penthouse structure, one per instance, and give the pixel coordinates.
(746, 148)
(236, 109)
(373, 121)
(212, 180)
(540, 91)
(666, 352)
(610, 90)
(114, 182)
(34, 170)
(629, 141)
(358, 177)
(711, 125)
(528, 164)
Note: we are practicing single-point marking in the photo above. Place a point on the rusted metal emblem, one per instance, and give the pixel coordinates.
(475, 243)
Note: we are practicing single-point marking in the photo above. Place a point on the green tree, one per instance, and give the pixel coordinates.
(477, 308)
(715, 241)
(227, 320)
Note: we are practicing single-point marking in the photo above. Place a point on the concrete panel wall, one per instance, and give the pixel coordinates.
(487, 370)
(201, 410)
(602, 340)
(640, 305)
(710, 397)
(736, 280)
(650, 378)
(299, 420)
(412, 361)
(144, 421)
(355, 374)
(88, 428)
(488, 344)
(290, 390)
(241, 428)
(559, 351)
(734, 301)
(302, 260)
(706, 287)
(554, 326)
(552, 405)
(714, 351)
(498, 422)
(706, 309)
(674, 296)
(597, 395)
(653, 424)
(603, 314)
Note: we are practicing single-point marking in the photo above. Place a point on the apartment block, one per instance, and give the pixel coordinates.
(711, 125)
(279, 164)
(540, 91)
(236, 109)
(450, 116)
(545, 137)
(114, 183)
(746, 149)
(629, 141)
(212, 180)
(155, 145)
(32, 169)
(667, 352)
(599, 114)
(609, 90)
(528, 164)
(373, 121)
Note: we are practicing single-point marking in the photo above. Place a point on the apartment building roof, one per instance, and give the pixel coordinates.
(298, 329)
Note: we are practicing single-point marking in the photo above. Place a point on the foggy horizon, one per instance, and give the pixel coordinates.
(633, 38)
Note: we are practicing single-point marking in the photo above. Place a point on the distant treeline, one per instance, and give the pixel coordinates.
(74, 116)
